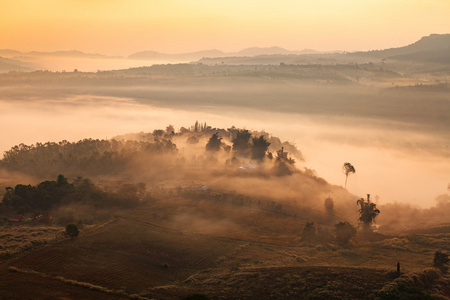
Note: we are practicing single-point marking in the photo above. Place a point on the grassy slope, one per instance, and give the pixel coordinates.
(167, 249)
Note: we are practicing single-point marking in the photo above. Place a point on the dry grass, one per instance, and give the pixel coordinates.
(79, 283)
(156, 250)
(17, 239)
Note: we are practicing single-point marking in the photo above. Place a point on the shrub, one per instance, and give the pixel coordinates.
(196, 297)
(440, 261)
(309, 232)
(72, 230)
(344, 232)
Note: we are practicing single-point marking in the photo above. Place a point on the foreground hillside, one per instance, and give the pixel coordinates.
(170, 248)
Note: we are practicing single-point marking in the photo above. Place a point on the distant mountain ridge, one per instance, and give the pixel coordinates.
(9, 53)
(432, 48)
(214, 53)
(255, 51)
(153, 55)
(7, 65)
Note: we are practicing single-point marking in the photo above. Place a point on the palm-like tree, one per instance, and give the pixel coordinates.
(368, 211)
(347, 168)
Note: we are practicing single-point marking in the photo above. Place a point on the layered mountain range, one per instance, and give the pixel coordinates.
(434, 48)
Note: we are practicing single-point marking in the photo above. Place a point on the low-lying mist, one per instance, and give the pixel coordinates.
(397, 139)
(136, 168)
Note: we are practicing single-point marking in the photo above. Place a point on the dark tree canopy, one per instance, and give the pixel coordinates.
(309, 232)
(259, 147)
(344, 232)
(282, 156)
(50, 193)
(72, 230)
(214, 143)
(284, 165)
(348, 168)
(241, 142)
(93, 157)
(329, 205)
(368, 212)
(158, 132)
(170, 129)
(440, 261)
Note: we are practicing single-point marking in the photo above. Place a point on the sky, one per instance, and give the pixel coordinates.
(119, 27)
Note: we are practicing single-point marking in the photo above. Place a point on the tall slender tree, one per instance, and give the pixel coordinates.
(347, 168)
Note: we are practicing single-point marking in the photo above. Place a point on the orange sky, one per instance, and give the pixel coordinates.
(118, 27)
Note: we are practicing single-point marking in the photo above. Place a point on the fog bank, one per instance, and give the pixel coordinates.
(392, 165)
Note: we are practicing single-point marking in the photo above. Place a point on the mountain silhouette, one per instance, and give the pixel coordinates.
(433, 48)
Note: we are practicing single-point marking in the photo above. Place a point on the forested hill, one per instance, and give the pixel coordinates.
(154, 154)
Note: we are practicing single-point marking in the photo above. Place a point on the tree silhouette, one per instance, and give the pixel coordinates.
(368, 212)
(72, 230)
(241, 142)
(214, 143)
(347, 168)
(309, 232)
(196, 127)
(259, 147)
(170, 130)
(282, 156)
(329, 205)
(158, 132)
(284, 165)
(344, 232)
(440, 261)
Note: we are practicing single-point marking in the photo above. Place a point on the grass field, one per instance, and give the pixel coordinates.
(170, 248)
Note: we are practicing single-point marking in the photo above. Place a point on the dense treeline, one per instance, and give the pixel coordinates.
(133, 154)
(93, 157)
(52, 193)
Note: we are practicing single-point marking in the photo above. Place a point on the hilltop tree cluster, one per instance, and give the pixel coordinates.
(123, 154)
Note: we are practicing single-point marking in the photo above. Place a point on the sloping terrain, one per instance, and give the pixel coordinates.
(432, 48)
(171, 248)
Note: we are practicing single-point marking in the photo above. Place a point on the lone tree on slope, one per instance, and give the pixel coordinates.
(309, 232)
(72, 230)
(347, 168)
(344, 232)
(368, 212)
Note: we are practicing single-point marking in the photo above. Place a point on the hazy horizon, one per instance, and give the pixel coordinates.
(118, 28)
(386, 153)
